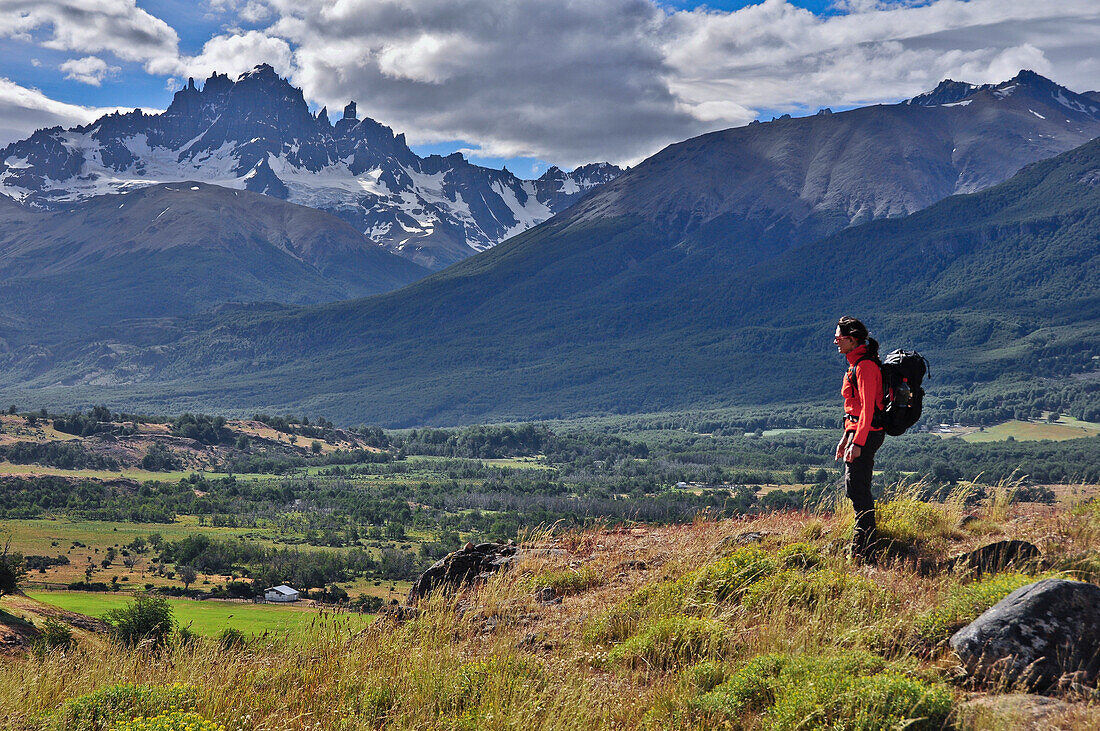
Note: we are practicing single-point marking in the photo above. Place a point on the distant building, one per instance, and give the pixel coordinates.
(281, 593)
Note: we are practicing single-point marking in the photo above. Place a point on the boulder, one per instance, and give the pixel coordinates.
(995, 557)
(1034, 636)
(455, 570)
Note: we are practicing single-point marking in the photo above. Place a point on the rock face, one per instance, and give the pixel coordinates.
(463, 567)
(257, 134)
(1035, 635)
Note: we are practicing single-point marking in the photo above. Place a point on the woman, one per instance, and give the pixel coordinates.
(863, 399)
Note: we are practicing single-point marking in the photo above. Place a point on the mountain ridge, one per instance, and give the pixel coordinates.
(257, 134)
(1000, 283)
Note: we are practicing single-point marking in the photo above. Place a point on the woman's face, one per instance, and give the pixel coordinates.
(844, 343)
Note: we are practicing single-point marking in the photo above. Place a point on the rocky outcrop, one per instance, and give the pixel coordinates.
(996, 557)
(463, 567)
(1035, 636)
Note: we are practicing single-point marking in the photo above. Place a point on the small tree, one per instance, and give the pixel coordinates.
(145, 618)
(187, 575)
(12, 569)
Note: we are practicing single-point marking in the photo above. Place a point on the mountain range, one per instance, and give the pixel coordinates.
(710, 274)
(257, 134)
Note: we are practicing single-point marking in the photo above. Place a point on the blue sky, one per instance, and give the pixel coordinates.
(529, 83)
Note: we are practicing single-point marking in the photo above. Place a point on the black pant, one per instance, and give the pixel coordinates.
(857, 485)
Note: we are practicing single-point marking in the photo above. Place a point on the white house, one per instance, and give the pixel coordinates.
(281, 593)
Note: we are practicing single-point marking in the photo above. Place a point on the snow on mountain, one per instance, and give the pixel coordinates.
(257, 134)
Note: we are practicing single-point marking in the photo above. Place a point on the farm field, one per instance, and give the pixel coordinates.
(1032, 431)
(87, 541)
(208, 617)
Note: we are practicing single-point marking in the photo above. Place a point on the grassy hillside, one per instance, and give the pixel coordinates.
(745, 624)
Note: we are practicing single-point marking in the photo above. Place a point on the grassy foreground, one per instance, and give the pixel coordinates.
(692, 626)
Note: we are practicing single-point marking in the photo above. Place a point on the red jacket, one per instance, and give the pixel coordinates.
(868, 377)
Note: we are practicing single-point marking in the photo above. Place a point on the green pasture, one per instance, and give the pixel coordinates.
(37, 535)
(209, 617)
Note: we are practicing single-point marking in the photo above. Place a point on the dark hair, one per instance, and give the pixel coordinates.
(852, 327)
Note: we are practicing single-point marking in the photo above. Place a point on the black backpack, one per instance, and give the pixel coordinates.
(903, 372)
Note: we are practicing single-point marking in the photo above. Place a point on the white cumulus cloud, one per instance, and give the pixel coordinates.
(88, 70)
(571, 81)
(93, 26)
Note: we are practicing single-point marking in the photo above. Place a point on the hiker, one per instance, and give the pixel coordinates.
(862, 391)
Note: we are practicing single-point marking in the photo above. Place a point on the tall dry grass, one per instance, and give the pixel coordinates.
(639, 640)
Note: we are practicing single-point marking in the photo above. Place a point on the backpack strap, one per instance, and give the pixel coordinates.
(877, 419)
(852, 372)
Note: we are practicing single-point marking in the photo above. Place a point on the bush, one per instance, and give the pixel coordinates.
(910, 522)
(672, 642)
(232, 639)
(728, 578)
(145, 618)
(799, 556)
(705, 676)
(852, 692)
(107, 707)
(566, 582)
(621, 621)
(824, 589)
(53, 636)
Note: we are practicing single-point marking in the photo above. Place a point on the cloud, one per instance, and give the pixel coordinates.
(235, 54)
(568, 80)
(575, 80)
(118, 27)
(88, 70)
(24, 110)
(572, 81)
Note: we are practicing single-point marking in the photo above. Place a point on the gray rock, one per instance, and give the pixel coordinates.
(1034, 636)
(996, 557)
(461, 568)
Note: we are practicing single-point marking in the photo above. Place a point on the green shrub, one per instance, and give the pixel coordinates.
(672, 642)
(232, 639)
(824, 589)
(54, 635)
(840, 692)
(565, 583)
(964, 603)
(799, 556)
(621, 621)
(727, 579)
(1084, 567)
(910, 522)
(109, 706)
(145, 618)
(705, 676)
(173, 721)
